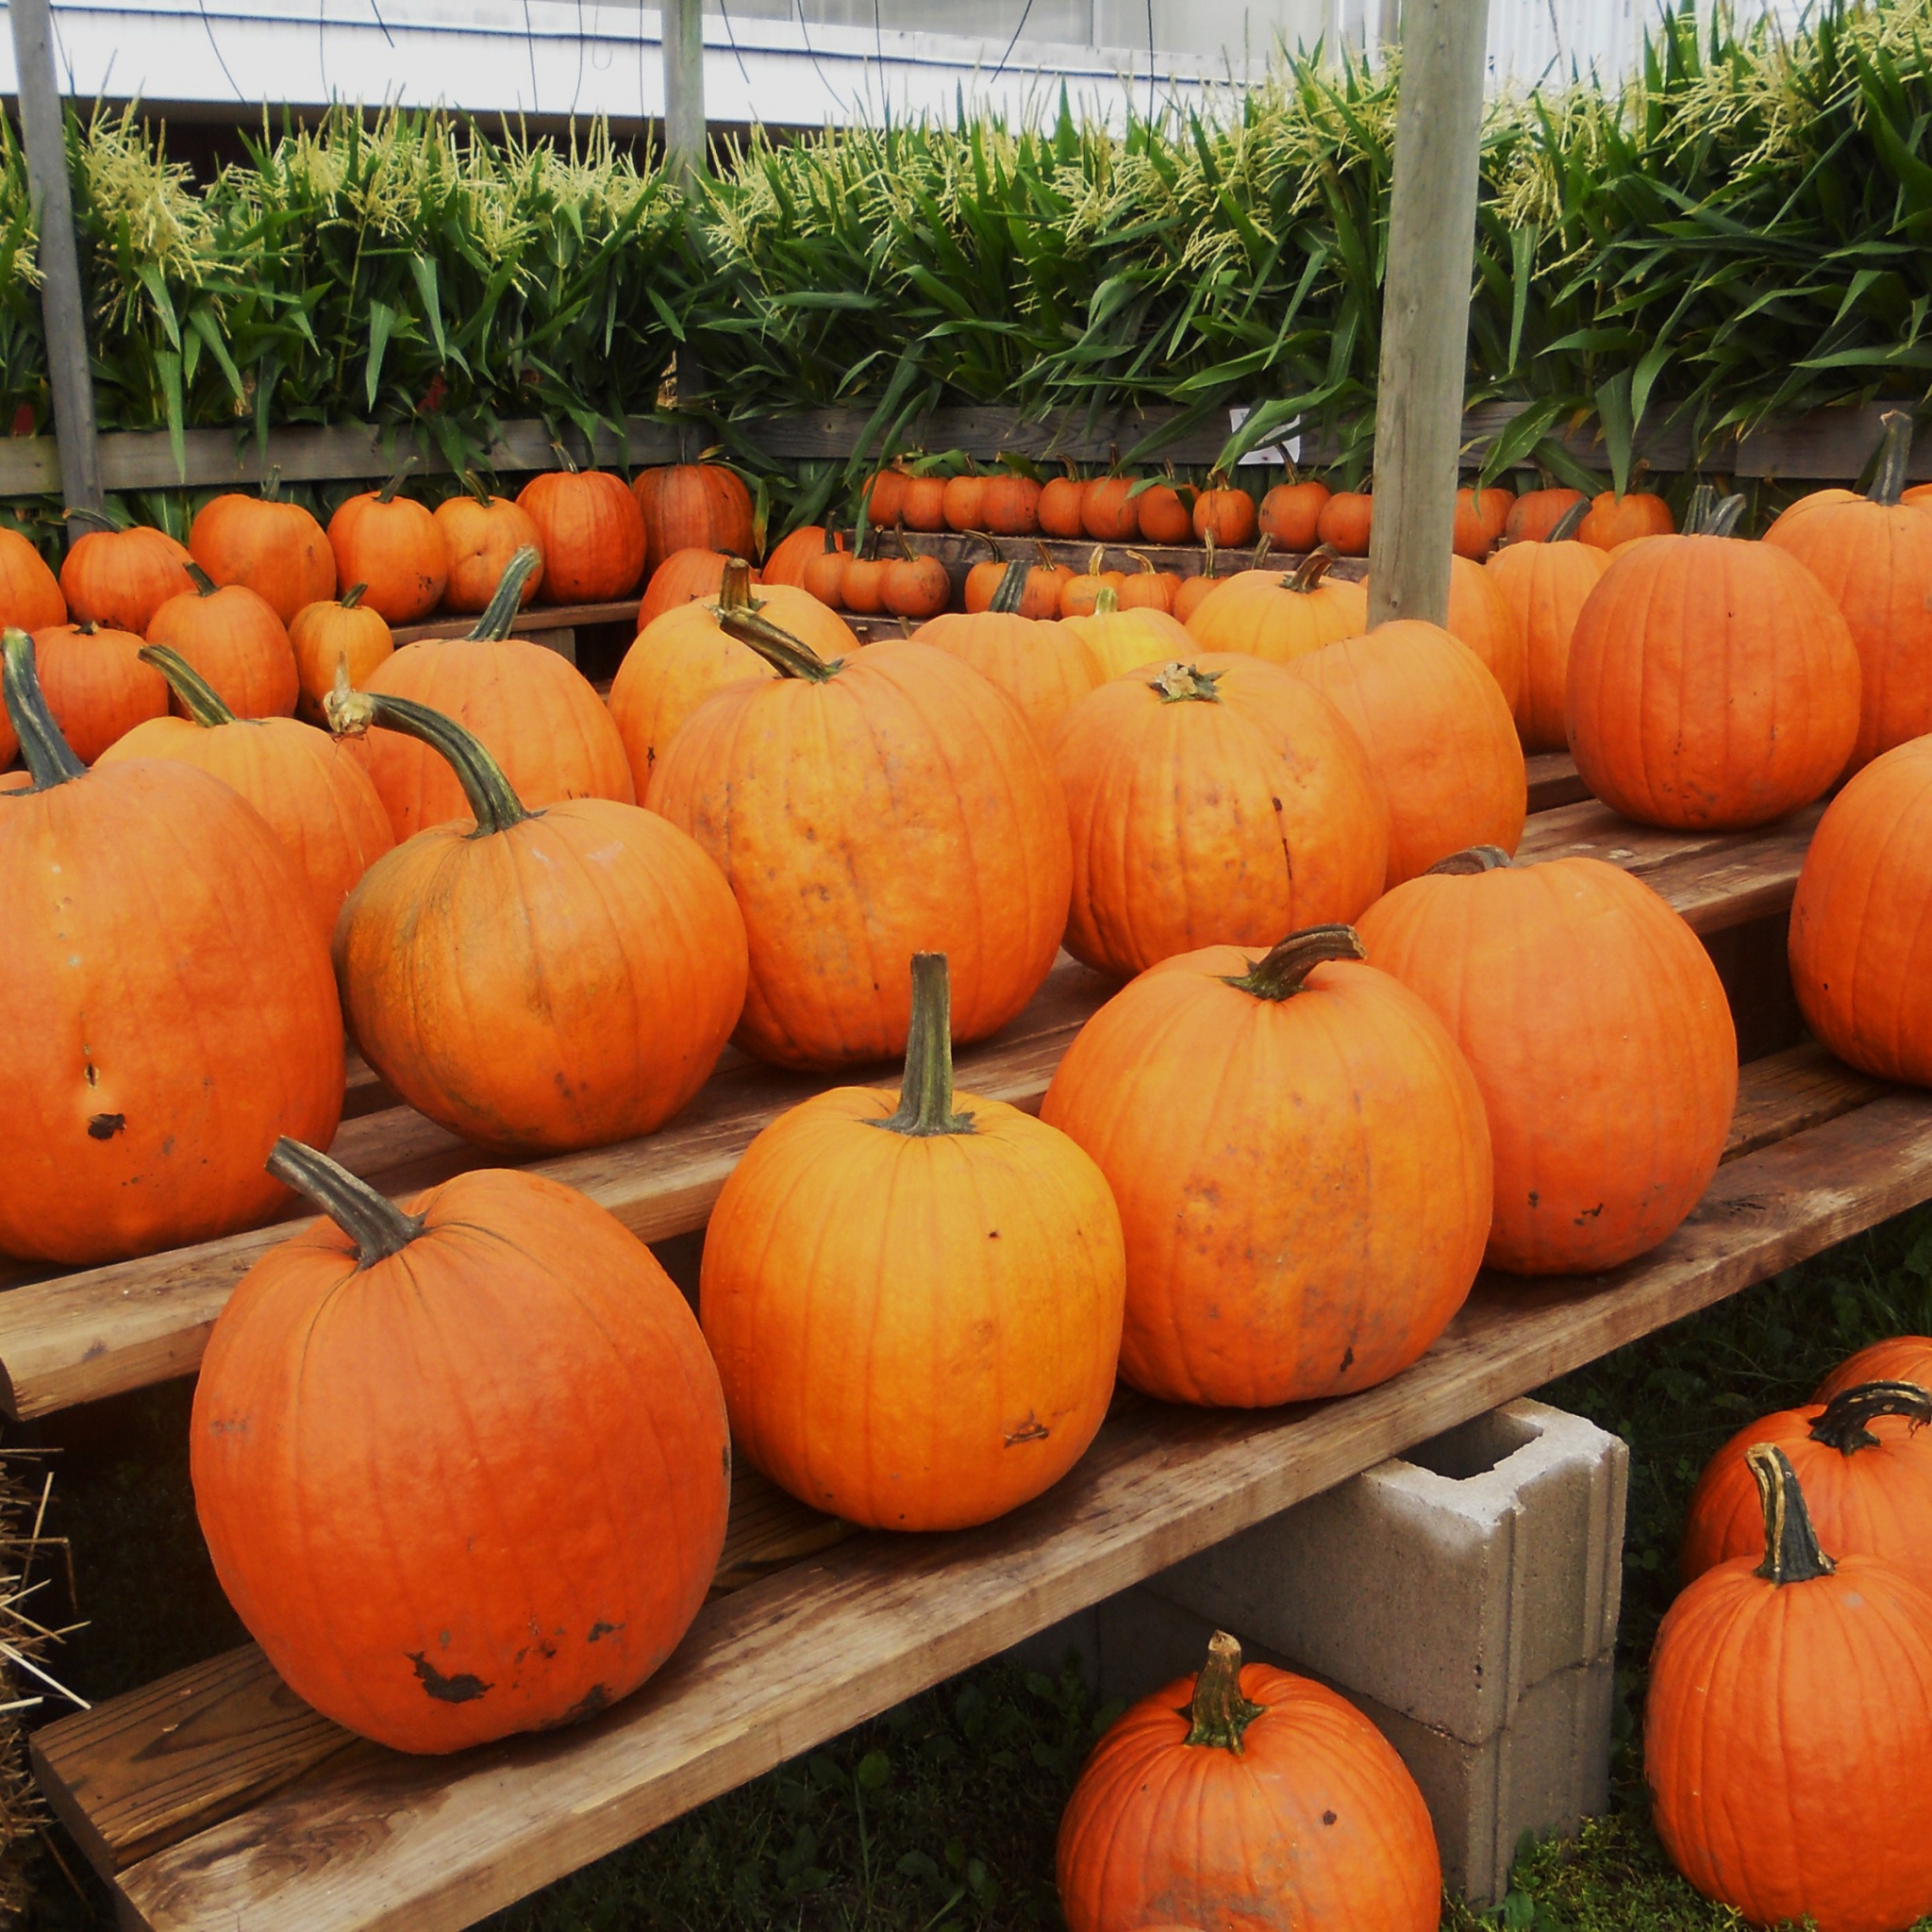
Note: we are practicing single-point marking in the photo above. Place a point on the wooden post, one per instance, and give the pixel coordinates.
(684, 87)
(1425, 307)
(62, 312)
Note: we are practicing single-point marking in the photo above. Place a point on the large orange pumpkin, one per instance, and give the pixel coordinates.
(1534, 516)
(1125, 641)
(1788, 1730)
(170, 1004)
(277, 549)
(1872, 555)
(1280, 614)
(865, 810)
(342, 634)
(1480, 615)
(683, 577)
(1044, 667)
(1567, 985)
(1212, 802)
(540, 718)
(30, 598)
(1200, 1805)
(1897, 1359)
(393, 546)
(915, 1308)
(1712, 684)
(1482, 514)
(311, 787)
(95, 685)
(681, 657)
(1291, 512)
(1302, 1165)
(120, 576)
(697, 507)
(537, 980)
(1544, 584)
(235, 640)
(592, 534)
(508, 1356)
(1439, 735)
(1613, 520)
(481, 533)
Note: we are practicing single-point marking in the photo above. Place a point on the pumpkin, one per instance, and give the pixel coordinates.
(1109, 511)
(691, 507)
(509, 1356)
(536, 981)
(885, 498)
(1043, 667)
(915, 1308)
(1482, 514)
(1080, 593)
(1010, 505)
(1280, 615)
(984, 579)
(170, 1004)
(1212, 802)
(1544, 585)
(922, 506)
(1195, 590)
(1867, 1476)
(1230, 514)
(1124, 641)
(1147, 589)
(1860, 935)
(1045, 585)
(391, 546)
(680, 659)
(786, 562)
(1290, 513)
(1345, 521)
(235, 640)
(864, 809)
(343, 632)
(1613, 520)
(538, 714)
(1567, 985)
(824, 576)
(962, 503)
(96, 686)
(1897, 1359)
(683, 577)
(277, 549)
(120, 576)
(862, 587)
(1302, 1166)
(1061, 500)
(1439, 735)
(592, 534)
(1872, 555)
(1788, 1730)
(1164, 517)
(310, 788)
(1199, 1805)
(1712, 683)
(30, 598)
(1534, 516)
(914, 585)
(1480, 615)
(481, 533)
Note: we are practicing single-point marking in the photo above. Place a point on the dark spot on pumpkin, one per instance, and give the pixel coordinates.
(1347, 1361)
(93, 1074)
(727, 1462)
(1327, 1818)
(992, 1233)
(1276, 803)
(442, 1639)
(1532, 1198)
(1031, 1430)
(1590, 1214)
(461, 1688)
(600, 1628)
(594, 1699)
(104, 1126)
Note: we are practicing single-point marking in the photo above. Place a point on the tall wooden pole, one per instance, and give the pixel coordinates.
(1425, 307)
(683, 88)
(64, 313)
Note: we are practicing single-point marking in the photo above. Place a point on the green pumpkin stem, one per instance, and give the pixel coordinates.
(1894, 454)
(47, 755)
(926, 1093)
(1207, 553)
(789, 656)
(1845, 1426)
(1006, 600)
(1263, 547)
(1711, 515)
(1473, 859)
(272, 484)
(1566, 526)
(199, 698)
(1178, 683)
(493, 802)
(1311, 569)
(500, 614)
(734, 586)
(1107, 602)
(1790, 1544)
(352, 596)
(388, 492)
(205, 586)
(1279, 977)
(1218, 1714)
(103, 517)
(377, 1226)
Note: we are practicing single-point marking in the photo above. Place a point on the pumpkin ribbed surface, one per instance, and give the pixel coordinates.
(97, 688)
(695, 507)
(1126, 640)
(326, 635)
(1480, 616)
(1044, 667)
(30, 598)
(1612, 520)
(395, 547)
(277, 549)
(234, 640)
(481, 534)
(1897, 1359)
(120, 578)
(1544, 587)
(1260, 613)
(591, 533)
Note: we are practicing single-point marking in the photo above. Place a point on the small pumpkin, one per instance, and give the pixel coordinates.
(30, 598)
(1045, 585)
(1534, 516)
(1439, 735)
(1044, 667)
(1712, 683)
(121, 575)
(1897, 1359)
(1061, 503)
(1291, 514)
(1125, 641)
(96, 686)
(683, 577)
(915, 585)
(885, 498)
(824, 576)
(1010, 505)
(786, 562)
(1230, 514)
(1615, 520)
(984, 579)
(1302, 1165)
(1148, 587)
(481, 533)
(922, 504)
(1080, 592)
(277, 549)
(591, 533)
(1199, 1803)
(1195, 590)
(1165, 513)
(1482, 514)
(1109, 511)
(1803, 1790)
(694, 506)
(864, 809)
(1567, 985)
(536, 981)
(235, 640)
(506, 1352)
(962, 502)
(342, 633)
(862, 584)
(1280, 615)
(393, 546)
(170, 1007)
(1545, 583)
(1345, 521)
(959, 1261)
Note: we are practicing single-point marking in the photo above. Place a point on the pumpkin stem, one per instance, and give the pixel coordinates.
(1279, 977)
(501, 612)
(1473, 859)
(1146, 562)
(1180, 684)
(564, 460)
(1711, 515)
(926, 1093)
(199, 698)
(47, 755)
(789, 656)
(1790, 1544)
(272, 484)
(1311, 569)
(1894, 453)
(352, 596)
(388, 492)
(1107, 602)
(1567, 526)
(474, 484)
(734, 586)
(493, 802)
(1261, 550)
(1845, 1423)
(1208, 549)
(993, 552)
(1012, 588)
(107, 519)
(1218, 1715)
(205, 586)
(377, 1226)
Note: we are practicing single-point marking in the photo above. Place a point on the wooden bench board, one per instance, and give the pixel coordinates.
(366, 1837)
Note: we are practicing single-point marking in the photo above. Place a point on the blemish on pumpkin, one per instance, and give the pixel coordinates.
(463, 1688)
(93, 1074)
(1031, 1430)
(1327, 1818)
(1590, 1214)
(1348, 1360)
(587, 1707)
(1532, 1198)
(600, 1629)
(104, 1126)
(992, 1233)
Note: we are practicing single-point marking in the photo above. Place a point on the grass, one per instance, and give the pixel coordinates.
(940, 1816)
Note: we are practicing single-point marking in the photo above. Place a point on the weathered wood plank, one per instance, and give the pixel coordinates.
(1790, 1092)
(532, 621)
(1553, 781)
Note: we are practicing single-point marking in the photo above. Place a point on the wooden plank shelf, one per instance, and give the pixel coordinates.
(213, 1799)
